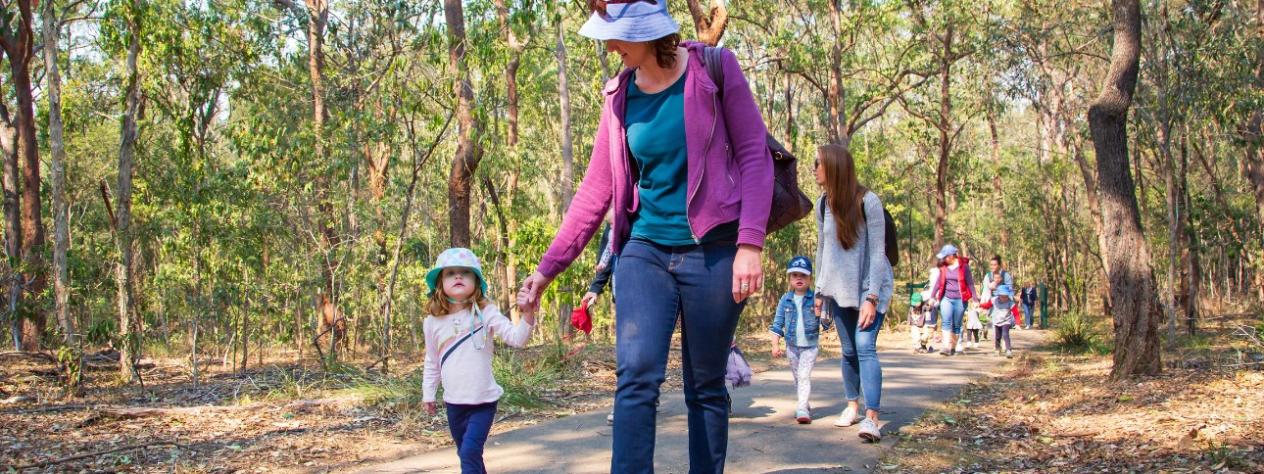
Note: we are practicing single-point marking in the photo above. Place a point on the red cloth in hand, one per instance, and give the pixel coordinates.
(581, 320)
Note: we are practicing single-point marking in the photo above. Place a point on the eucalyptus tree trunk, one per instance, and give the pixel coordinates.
(1253, 133)
(17, 39)
(57, 144)
(129, 327)
(1134, 302)
(996, 175)
(12, 223)
(944, 129)
(461, 178)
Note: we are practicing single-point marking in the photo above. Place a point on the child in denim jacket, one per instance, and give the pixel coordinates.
(797, 323)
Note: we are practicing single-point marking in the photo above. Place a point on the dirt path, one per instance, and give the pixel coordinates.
(761, 432)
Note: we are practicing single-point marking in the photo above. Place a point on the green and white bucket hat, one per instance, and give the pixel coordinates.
(456, 257)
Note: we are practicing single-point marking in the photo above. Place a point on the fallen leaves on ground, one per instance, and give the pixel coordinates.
(249, 421)
(1057, 413)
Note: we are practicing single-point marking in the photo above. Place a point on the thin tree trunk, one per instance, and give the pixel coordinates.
(1253, 134)
(1174, 213)
(837, 92)
(996, 175)
(466, 160)
(130, 328)
(945, 136)
(511, 70)
(61, 217)
(388, 305)
(18, 43)
(1192, 266)
(1134, 304)
(568, 148)
(12, 222)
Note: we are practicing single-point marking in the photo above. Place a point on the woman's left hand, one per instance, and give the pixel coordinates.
(868, 312)
(748, 275)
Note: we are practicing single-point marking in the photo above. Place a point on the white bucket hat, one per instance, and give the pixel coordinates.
(631, 20)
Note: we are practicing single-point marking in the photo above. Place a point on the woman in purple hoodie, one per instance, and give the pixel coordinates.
(686, 168)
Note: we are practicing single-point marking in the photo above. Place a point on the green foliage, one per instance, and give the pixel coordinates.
(240, 225)
(1077, 332)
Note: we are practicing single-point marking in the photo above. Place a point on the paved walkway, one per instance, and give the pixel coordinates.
(761, 427)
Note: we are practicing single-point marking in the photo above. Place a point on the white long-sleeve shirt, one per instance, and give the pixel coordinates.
(467, 374)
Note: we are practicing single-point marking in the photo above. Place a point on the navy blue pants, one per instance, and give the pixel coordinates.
(470, 425)
(655, 284)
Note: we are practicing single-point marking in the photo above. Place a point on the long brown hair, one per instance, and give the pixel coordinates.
(664, 48)
(842, 192)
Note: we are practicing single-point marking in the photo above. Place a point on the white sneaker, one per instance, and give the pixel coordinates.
(846, 419)
(610, 419)
(869, 431)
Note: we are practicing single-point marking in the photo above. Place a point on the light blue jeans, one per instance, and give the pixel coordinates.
(952, 310)
(861, 369)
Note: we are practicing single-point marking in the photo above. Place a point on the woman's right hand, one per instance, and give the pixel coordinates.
(532, 288)
(430, 408)
(589, 299)
(817, 305)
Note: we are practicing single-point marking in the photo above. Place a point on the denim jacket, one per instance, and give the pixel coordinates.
(785, 323)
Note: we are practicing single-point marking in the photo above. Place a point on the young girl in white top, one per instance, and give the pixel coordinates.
(459, 346)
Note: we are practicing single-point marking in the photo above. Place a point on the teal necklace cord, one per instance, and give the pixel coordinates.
(480, 342)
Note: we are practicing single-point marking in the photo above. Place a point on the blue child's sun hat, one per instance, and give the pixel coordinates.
(631, 20)
(799, 264)
(456, 257)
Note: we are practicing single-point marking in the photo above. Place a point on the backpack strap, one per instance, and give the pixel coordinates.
(713, 61)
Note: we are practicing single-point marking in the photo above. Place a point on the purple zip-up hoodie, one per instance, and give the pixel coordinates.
(730, 169)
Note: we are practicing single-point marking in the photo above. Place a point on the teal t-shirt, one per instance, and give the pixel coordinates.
(656, 136)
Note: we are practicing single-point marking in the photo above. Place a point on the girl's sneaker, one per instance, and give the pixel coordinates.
(848, 418)
(869, 431)
(802, 417)
(1009, 354)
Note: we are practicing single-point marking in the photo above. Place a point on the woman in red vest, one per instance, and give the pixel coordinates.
(954, 287)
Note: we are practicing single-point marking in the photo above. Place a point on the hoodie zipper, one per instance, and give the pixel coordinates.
(715, 118)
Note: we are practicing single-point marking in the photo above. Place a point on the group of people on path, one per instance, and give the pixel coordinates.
(682, 171)
(968, 312)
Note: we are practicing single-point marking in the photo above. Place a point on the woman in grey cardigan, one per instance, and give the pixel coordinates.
(854, 282)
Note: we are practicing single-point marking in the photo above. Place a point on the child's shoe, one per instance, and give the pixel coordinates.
(1009, 354)
(610, 419)
(802, 417)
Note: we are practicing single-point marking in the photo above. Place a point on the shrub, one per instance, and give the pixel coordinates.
(1075, 332)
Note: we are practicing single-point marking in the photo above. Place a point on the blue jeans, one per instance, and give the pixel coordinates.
(470, 425)
(861, 369)
(952, 310)
(655, 283)
(1027, 312)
